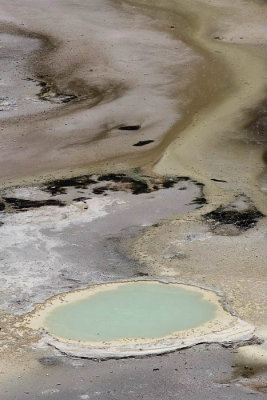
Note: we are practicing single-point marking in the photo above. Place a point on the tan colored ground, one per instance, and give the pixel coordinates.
(188, 250)
(215, 145)
(208, 142)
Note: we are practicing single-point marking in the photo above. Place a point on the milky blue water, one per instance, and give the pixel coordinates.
(139, 310)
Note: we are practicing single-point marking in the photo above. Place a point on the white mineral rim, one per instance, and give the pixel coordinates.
(223, 328)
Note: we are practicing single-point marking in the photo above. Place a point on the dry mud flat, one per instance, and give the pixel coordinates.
(99, 76)
(199, 63)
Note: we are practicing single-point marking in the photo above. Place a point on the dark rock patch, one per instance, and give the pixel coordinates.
(240, 213)
(168, 184)
(59, 186)
(23, 204)
(136, 185)
(142, 184)
(243, 220)
(139, 187)
(95, 185)
(143, 143)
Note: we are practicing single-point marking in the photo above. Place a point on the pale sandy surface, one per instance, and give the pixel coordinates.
(188, 249)
(209, 57)
(215, 144)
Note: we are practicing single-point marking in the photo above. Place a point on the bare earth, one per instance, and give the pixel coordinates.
(133, 144)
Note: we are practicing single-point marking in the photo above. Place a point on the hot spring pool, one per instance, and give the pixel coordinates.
(136, 310)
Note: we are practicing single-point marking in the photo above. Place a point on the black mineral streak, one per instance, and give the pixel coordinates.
(143, 143)
(218, 180)
(129, 127)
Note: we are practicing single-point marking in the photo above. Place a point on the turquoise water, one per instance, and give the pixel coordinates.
(140, 310)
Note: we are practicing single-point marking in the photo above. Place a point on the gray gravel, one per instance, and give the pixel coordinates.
(198, 373)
